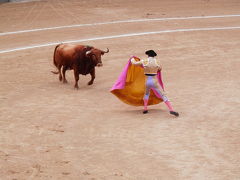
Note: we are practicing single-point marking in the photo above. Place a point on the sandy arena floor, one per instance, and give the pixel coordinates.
(49, 130)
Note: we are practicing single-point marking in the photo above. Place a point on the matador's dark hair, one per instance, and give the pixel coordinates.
(151, 53)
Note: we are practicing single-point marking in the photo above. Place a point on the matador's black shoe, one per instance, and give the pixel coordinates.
(174, 113)
(145, 111)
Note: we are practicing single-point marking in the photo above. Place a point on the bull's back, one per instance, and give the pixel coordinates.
(66, 54)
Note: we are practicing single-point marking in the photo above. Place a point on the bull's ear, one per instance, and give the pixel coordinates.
(87, 48)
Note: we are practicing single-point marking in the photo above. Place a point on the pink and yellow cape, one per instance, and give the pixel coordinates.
(130, 86)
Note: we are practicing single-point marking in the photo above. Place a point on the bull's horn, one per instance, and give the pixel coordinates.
(106, 51)
(88, 52)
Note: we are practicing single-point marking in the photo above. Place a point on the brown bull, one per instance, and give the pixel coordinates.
(82, 59)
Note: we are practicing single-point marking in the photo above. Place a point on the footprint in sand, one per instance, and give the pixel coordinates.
(86, 173)
(65, 173)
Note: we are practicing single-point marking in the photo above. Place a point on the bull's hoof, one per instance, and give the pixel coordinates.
(76, 87)
(65, 81)
(90, 83)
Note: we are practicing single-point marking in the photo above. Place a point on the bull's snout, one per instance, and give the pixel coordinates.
(99, 64)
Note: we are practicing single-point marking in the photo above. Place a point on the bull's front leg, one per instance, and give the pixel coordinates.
(92, 73)
(76, 75)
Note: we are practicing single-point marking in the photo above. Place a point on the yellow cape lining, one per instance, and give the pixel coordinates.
(134, 89)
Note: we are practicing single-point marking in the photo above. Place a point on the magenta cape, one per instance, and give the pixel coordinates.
(130, 86)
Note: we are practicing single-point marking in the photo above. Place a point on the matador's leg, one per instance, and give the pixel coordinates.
(166, 101)
(147, 94)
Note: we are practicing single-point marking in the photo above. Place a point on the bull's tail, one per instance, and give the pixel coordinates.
(55, 72)
(54, 60)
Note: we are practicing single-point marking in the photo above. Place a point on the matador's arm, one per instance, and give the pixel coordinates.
(133, 61)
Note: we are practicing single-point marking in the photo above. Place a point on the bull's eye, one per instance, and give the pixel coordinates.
(93, 56)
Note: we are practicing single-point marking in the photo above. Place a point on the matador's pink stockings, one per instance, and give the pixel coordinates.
(169, 105)
(145, 104)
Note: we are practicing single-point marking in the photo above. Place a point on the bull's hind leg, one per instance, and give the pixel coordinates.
(92, 73)
(60, 74)
(64, 72)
